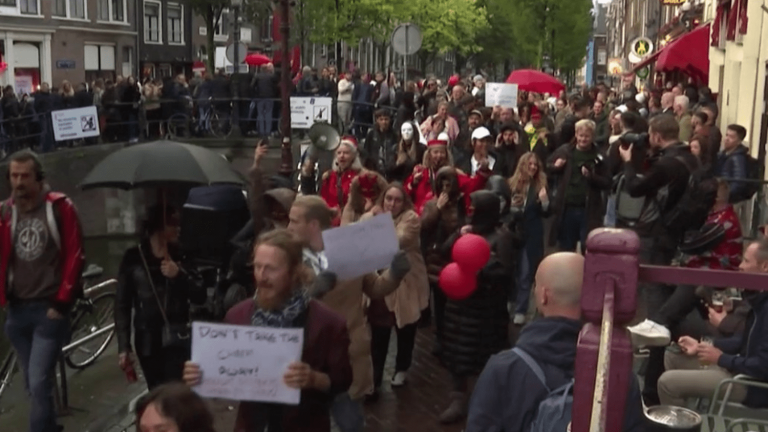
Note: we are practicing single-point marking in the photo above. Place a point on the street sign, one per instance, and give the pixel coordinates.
(75, 123)
(643, 72)
(641, 47)
(406, 39)
(241, 52)
(305, 111)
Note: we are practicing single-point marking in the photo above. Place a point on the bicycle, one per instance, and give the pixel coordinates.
(87, 319)
(208, 121)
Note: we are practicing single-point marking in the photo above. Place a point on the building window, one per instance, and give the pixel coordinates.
(11, 3)
(151, 22)
(265, 31)
(175, 27)
(29, 7)
(99, 61)
(222, 29)
(165, 71)
(74, 9)
(112, 10)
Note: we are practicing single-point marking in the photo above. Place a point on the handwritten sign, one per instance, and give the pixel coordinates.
(246, 363)
(503, 95)
(361, 248)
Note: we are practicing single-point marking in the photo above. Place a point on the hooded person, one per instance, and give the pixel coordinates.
(364, 191)
(477, 327)
(421, 185)
(335, 183)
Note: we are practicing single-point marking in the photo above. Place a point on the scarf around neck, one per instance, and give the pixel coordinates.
(284, 317)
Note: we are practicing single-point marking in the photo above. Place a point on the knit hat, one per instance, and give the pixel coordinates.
(477, 77)
(436, 143)
(350, 141)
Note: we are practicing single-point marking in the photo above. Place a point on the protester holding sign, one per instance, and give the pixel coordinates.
(282, 301)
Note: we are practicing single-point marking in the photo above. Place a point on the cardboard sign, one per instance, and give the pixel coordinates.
(75, 123)
(501, 94)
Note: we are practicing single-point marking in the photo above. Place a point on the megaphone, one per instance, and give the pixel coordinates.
(324, 136)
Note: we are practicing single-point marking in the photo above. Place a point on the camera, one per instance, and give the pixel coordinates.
(639, 141)
(594, 163)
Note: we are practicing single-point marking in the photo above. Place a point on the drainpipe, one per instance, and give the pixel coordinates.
(137, 67)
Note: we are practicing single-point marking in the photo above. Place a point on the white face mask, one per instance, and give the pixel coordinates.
(406, 131)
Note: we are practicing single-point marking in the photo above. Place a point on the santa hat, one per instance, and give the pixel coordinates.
(436, 143)
(350, 141)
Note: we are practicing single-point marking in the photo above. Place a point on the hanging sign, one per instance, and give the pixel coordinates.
(643, 73)
(642, 46)
(672, 2)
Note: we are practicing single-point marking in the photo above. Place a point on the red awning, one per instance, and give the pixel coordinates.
(645, 62)
(689, 53)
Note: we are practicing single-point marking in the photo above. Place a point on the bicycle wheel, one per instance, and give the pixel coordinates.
(220, 126)
(177, 125)
(99, 315)
(7, 369)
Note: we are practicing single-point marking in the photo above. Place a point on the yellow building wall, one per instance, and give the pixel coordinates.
(738, 72)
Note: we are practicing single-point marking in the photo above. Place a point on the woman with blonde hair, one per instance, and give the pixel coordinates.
(529, 197)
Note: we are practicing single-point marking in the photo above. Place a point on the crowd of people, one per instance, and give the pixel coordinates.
(532, 180)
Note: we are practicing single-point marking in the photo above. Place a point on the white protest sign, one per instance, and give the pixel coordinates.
(503, 95)
(361, 248)
(75, 123)
(305, 111)
(246, 363)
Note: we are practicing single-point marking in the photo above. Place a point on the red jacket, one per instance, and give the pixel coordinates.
(329, 190)
(422, 192)
(70, 246)
(727, 254)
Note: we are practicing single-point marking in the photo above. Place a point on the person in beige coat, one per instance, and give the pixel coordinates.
(401, 309)
(309, 216)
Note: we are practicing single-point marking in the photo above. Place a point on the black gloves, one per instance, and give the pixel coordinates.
(400, 266)
(324, 282)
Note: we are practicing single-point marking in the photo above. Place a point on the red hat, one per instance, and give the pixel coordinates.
(350, 141)
(437, 142)
(453, 80)
(535, 111)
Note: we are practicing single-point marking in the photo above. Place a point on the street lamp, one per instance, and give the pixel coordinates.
(235, 123)
(286, 155)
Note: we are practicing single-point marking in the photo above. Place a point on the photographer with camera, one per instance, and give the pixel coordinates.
(578, 199)
(659, 205)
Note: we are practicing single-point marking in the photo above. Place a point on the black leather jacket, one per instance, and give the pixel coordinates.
(134, 294)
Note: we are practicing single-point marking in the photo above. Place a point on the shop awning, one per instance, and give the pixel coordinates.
(689, 53)
(645, 62)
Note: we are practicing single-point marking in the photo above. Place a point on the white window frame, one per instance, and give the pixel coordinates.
(181, 23)
(159, 5)
(68, 15)
(218, 35)
(111, 13)
(25, 14)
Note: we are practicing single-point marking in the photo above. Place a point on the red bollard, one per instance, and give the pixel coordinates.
(608, 304)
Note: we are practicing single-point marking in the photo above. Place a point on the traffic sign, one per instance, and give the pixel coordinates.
(406, 39)
(241, 52)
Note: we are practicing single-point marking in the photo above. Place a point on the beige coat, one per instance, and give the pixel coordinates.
(346, 299)
(412, 296)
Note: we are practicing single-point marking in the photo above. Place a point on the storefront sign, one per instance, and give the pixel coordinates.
(65, 64)
(75, 123)
(643, 72)
(642, 47)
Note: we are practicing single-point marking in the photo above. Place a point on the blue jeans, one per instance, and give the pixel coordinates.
(348, 413)
(37, 340)
(573, 229)
(264, 119)
(524, 283)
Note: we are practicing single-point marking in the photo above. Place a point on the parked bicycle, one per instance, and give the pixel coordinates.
(91, 313)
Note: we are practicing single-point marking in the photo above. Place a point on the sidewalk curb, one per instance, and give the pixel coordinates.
(118, 416)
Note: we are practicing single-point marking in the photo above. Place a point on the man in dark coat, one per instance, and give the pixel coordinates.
(508, 393)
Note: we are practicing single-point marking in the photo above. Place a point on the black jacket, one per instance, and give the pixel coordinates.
(134, 294)
(379, 150)
(265, 85)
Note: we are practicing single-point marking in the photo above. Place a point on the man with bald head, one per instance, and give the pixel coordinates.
(508, 392)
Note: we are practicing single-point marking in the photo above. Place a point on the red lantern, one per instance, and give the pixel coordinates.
(457, 284)
(471, 252)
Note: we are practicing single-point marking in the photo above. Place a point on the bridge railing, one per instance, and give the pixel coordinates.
(609, 302)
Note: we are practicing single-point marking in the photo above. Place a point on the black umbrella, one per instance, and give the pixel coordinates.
(161, 164)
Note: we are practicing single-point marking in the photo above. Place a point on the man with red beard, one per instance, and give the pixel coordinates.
(283, 301)
(421, 184)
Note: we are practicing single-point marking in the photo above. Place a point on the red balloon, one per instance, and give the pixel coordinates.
(457, 284)
(471, 252)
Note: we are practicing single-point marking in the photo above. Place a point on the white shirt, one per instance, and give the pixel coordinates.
(476, 164)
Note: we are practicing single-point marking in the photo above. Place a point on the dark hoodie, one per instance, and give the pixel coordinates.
(477, 327)
(507, 394)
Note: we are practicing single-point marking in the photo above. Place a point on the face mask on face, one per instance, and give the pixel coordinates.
(406, 130)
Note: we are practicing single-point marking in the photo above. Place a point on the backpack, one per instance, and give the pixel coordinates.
(554, 411)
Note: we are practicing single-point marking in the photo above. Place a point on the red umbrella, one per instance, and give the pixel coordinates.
(535, 81)
(257, 59)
